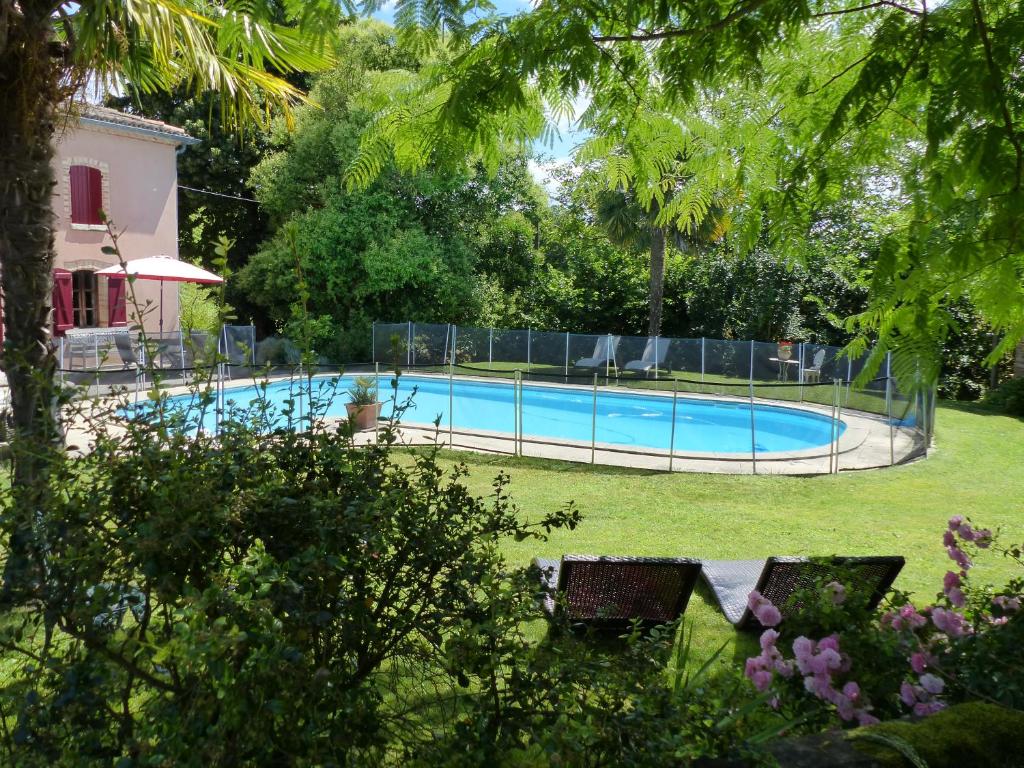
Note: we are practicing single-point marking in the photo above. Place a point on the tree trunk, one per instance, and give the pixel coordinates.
(30, 95)
(657, 288)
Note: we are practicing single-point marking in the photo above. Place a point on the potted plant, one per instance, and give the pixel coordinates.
(785, 350)
(363, 406)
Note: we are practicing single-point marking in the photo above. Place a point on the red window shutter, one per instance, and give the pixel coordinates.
(86, 195)
(63, 315)
(117, 314)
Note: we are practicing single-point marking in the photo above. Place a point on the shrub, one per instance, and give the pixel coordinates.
(258, 599)
(862, 665)
(1008, 397)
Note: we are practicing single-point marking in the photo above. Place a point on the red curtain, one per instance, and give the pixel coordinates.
(63, 310)
(86, 195)
(117, 314)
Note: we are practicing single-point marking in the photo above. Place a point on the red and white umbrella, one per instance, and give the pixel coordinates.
(164, 269)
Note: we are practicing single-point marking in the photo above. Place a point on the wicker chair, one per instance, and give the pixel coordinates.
(777, 578)
(615, 592)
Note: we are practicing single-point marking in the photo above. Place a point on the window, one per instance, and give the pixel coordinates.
(83, 298)
(86, 195)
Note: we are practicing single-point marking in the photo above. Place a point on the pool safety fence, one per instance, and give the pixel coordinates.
(802, 373)
(101, 359)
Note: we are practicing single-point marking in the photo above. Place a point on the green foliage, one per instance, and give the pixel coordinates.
(197, 309)
(255, 600)
(1008, 398)
(363, 391)
(785, 108)
(405, 247)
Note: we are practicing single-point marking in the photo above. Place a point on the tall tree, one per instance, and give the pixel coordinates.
(48, 51)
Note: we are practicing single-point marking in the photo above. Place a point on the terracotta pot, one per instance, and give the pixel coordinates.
(365, 415)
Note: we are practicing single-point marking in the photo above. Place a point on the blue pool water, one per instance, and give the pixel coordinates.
(623, 419)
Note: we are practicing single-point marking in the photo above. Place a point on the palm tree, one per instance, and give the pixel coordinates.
(48, 52)
(629, 224)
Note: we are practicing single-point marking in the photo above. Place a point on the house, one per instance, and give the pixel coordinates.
(126, 167)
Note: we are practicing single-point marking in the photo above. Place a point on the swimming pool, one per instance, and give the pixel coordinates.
(630, 420)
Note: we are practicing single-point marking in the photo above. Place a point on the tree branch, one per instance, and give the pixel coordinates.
(663, 34)
(868, 7)
(998, 85)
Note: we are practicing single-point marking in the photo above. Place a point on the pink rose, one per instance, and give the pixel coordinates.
(948, 540)
(926, 708)
(958, 556)
(955, 522)
(919, 662)
(768, 615)
(851, 691)
(932, 683)
(836, 592)
(768, 639)
(913, 619)
(762, 679)
(763, 610)
(949, 622)
(956, 597)
(950, 580)
(907, 694)
(831, 642)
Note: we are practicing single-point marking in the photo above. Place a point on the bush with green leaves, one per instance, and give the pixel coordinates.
(863, 664)
(261, 598)
(1008, 397)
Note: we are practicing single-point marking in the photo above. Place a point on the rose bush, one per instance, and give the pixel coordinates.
(859, 666)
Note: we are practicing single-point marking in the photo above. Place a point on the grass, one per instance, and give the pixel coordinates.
(974, 470)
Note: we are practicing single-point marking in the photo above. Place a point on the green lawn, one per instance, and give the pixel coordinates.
(975, 469)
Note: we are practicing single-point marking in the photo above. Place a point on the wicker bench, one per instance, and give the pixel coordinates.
(777, 578)
(615, 592)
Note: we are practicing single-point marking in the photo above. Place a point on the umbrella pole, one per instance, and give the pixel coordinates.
(161, 309)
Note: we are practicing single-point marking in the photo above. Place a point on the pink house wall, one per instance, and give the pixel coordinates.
(139, 198)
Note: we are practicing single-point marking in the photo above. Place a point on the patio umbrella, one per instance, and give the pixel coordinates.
(164, 269)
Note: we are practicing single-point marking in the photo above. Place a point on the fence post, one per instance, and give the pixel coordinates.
(522, 407)
(376, 388)
(567, 356)
(593, 425)
(410, 354)
(529, 335)
(839, 424)
(451, 404)
(181, 349)
(751, 365)
(672, 433)
(490, 347)
(515, 412)
(753, 424)
(800, 369)
(888, 412)
(849, 375)
(455, 338)
(607, 358)
(63, 364)
(702, 365)
(656, 339)
(373, 341)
